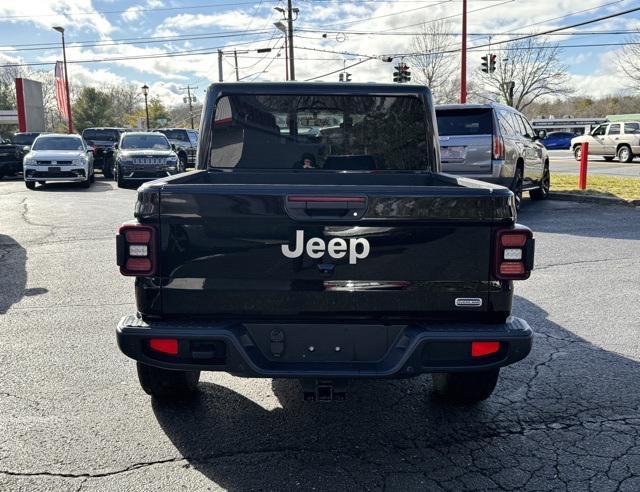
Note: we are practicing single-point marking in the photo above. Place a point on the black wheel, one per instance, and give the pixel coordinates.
(93, 177)
(182, 166)
(625, 154)
(107, 170)
(608, 158)
(545, 183)
(516, 186)
(119, 179)
(165, 384)
(577, 152)
(30, 184)
(467, 388)
(86, 183)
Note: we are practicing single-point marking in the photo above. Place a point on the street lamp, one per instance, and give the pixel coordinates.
(145, 93)
(66, 77)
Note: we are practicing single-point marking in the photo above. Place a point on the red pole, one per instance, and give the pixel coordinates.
(66, 84)
(463, 61)
(584, 160)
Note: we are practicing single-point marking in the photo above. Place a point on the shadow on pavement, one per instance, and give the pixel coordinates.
(98, 185)
(391, 434)
(568, 218)
(13, 272)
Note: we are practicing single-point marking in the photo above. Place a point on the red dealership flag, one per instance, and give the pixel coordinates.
(61, 93)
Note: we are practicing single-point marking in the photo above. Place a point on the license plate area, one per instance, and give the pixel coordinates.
(54, 169)
(457, 153)
(319, 343)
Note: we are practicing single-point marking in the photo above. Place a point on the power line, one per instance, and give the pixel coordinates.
(339, 70)
(112, 12)
(419, 33)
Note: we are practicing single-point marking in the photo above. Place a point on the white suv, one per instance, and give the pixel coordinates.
(58, 157)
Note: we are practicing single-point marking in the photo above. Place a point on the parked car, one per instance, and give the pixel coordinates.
(12, 152)
(326, 255)
(494, 143)
(103, 141)
(610, 140)
(558, 140)
(143, 156)
(58, 157)
(185, 142)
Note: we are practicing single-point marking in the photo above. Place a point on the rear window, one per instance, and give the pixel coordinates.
(464, 122)
(24, 138)
(320, 132)
(102, 135)
(176, 135)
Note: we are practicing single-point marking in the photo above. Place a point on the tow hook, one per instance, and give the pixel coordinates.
(324, 389)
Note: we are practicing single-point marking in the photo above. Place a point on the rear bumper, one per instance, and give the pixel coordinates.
(234, 348)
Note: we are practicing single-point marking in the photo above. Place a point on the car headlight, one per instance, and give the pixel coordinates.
(29, 162)
(79, 162)
(172, 161)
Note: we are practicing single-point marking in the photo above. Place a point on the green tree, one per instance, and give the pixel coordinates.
(157, 111)
(92, 108)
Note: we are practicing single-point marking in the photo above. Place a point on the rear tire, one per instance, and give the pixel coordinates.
(30, 184)
(107, 170)
(625, 154)
(184, 162)
(93, 177)
(86, 183)
(466, 388)
(166, 384)
(119, 179)
(542, 192)
(516, 186)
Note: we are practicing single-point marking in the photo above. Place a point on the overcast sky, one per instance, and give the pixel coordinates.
(248, 25)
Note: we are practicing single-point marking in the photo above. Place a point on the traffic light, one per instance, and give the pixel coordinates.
(492, 63)
(347, 77)
(341, 77)
(402, 73)
(485, 64)
(344, 77)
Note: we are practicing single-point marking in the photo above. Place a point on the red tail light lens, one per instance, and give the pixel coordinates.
(514, 250)
(480, 349)
(167, 346)
(136, 250)
(498, 148)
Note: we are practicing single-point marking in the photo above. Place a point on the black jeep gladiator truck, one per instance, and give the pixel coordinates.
(318, 240)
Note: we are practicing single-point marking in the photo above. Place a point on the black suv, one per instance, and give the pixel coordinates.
(185, 142)
(13, 151)
(103, 141)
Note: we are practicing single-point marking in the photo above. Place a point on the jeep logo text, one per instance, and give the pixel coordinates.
(357, 248)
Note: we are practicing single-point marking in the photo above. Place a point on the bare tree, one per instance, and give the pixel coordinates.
(125, 99)
(431, 64)
(526, 72)
(628, 60)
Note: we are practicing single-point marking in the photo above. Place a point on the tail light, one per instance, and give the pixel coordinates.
(514, 251)
(481, 349)
(136, 250)
(498, 147)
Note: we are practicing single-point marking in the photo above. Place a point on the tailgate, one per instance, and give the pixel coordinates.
(307, 252)
(466, 154)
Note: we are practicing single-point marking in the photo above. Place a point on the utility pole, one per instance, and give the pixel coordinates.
(292, 71)
(220, 75)
(191, 100)
(235, 56)
(463, 61)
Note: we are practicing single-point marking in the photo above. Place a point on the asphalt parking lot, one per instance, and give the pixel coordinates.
(72, 416)
(564, 162)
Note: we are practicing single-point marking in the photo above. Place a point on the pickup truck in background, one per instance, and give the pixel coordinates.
(610, 140)
(13, 151)
(318, 240)
(185, 143)
(103, 141)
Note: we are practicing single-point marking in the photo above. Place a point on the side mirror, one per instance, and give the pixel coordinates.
(116, 146)
(26, 148)
(173, 147)
(542, 134)
(89, 151)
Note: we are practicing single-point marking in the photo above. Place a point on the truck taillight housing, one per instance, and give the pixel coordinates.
(514, 251)
(498, 148)
(136, 250)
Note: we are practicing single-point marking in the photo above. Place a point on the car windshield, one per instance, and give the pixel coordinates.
(157, 142)
(24, 138)
(464, 122)
(102, 135)
(322, 132)
(176, 135)
(58, 143)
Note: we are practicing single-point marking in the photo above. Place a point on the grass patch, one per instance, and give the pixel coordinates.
(611, 186)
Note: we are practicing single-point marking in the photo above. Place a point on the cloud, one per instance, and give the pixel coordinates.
(132, 13)
(72, 14)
